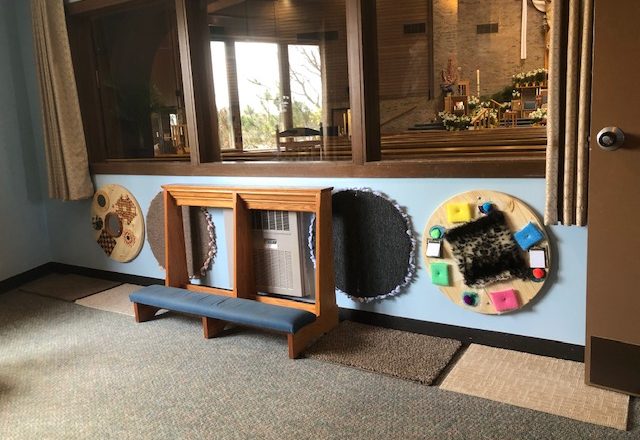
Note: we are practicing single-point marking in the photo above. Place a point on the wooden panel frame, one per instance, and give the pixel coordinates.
(362, 58)
(242, 200)
(315, 200)
(366, 149)
(197, 80)
(521, 166)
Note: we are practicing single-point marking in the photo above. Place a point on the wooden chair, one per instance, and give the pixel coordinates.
(510, 118)
(542, 98)
(299, 139)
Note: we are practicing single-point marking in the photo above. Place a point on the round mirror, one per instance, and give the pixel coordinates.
(113, 225)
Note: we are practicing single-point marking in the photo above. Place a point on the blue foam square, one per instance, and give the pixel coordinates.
(528, 236)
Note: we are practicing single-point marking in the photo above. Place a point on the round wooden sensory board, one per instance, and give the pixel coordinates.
(517, 215)
(117, 222)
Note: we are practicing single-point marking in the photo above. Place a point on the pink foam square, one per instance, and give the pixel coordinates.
(504, 300)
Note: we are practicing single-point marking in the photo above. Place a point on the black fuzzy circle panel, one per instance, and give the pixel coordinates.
(373, 245)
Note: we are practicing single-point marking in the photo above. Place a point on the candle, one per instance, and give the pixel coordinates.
(523, 31)
(478, 82)
(344, 124)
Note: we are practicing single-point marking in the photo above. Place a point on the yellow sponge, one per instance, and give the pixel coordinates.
(458, 212)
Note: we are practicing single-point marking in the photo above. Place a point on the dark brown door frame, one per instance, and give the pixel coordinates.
(612, 354)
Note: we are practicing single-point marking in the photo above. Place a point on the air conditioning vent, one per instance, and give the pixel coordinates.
(274, 268)
(270, 220)
(277, 254)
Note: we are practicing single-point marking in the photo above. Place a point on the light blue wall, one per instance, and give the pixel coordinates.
(558, 315)
(24, 242)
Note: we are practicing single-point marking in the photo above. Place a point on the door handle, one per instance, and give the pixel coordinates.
(610, 138)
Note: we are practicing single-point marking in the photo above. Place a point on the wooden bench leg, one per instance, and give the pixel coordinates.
(143, 312)
(300, 340)
(212, 327)
(295, 345)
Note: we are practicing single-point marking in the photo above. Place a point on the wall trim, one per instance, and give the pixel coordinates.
(105, 274)
(527, 344)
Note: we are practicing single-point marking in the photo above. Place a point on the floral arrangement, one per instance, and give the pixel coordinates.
(533, 77)
(474, 101)
(515, 94)
(493, 118)
(539, 115)
(455, 123)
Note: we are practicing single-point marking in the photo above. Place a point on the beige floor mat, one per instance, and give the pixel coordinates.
(113, 300)
(544, 384)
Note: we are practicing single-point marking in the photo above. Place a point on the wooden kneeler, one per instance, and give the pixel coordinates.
(143, 312)
(210, 327)
(297, 341)
(242, 201)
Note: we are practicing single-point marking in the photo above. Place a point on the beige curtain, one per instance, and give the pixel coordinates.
(568, 113)
(65, 146)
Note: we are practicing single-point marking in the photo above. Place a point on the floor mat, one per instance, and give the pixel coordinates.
(113, 300)
(68, 287)
(541, 383)
(410, 356)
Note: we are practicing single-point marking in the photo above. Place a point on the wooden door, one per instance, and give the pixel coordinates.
(613, 282)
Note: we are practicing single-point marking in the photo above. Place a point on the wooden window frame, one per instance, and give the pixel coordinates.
(197, 77)
(232, 85)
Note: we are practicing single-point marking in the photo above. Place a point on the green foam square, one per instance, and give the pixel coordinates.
(439, 274)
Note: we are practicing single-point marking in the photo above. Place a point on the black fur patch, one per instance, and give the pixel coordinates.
(486, 251)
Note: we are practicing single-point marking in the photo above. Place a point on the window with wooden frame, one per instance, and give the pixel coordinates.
(456, 77)
(281, 80)
(321, 88)
(132, 93)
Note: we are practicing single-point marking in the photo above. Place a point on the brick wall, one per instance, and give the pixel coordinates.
(496, 55)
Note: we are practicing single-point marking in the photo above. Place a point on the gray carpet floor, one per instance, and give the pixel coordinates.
(67, 371)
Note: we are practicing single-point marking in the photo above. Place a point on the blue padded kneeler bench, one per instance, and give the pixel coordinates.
(237, 310)
(217, 310)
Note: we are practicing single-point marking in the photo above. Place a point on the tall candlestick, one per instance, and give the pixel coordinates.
(523, 31)
(478, 83)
